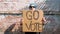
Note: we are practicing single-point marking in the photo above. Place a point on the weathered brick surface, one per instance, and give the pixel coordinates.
(11, 6)
(8, 21)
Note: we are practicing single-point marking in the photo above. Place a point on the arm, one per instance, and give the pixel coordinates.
(44, 21)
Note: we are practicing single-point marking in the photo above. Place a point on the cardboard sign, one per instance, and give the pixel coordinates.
(32, 21)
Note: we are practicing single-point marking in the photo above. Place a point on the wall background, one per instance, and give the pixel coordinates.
(51, 9)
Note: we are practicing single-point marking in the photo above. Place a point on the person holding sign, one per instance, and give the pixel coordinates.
(33, 20)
